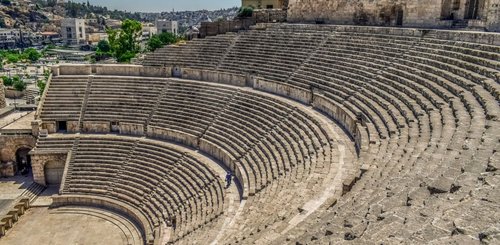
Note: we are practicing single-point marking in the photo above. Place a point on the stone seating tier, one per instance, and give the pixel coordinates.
(429, 107)
(266, 141)
(158, 179)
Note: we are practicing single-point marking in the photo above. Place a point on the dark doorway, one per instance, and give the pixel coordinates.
(23, 160)
(471, 9)
(62, 126)
(176, 72)
(115, 127)
(53, 173)
(399, 17)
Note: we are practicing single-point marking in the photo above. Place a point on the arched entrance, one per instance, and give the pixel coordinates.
(53, 172)
(23, 160)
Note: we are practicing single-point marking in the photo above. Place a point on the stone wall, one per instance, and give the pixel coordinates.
(13, 94)
(3, 104)
(116, 70)
(38, 162)
(213, 76)
(262, 4)
(222, 27)
(379, 12)
(136, 216)
(270, 15)
(422, 13)
(9, 144)
(287, 90)
(492, 14)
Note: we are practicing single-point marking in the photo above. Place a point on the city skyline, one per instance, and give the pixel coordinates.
(164, 6)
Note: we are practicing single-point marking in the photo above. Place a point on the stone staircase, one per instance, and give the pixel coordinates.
(312, 54)
(119, 174)
(33, 191)
(228, 50)
(156, 106)
(225, 107)
(84, 103)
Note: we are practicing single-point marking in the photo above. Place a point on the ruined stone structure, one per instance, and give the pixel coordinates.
(409, 13)
(265, 4)
(16, 141)
(332, 134)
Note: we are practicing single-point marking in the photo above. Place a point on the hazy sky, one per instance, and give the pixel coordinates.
(164, 5)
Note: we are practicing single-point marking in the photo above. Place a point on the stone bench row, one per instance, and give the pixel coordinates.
(71, 91)
(156, 178)
(459, 114)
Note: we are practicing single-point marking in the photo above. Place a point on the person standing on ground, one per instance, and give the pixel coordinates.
(229, 176)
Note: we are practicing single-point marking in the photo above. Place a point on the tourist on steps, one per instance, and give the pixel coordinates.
(228, 179)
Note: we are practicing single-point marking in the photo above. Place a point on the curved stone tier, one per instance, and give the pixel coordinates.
(164, 183)
(428, 110)
(287, 158)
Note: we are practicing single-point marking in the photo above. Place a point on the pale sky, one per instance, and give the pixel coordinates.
(164, 5)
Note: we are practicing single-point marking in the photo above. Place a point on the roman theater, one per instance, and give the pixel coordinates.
(334, 131)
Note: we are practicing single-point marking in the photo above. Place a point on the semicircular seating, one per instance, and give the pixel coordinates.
(281, 152)
(430, 108)
(164, 182)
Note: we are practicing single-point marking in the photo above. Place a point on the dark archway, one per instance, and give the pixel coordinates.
(474, 9)
(23, 160)
(399, 16)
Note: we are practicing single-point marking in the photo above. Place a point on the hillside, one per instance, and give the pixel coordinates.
(45, 15)
(21, 14)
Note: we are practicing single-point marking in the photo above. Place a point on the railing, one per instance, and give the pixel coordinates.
(42, 100)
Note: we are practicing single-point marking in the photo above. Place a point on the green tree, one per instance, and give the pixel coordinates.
(245, 11)
(103, 51)
(165, 38)
(103, 46)
(16, 78)
(168, 38)
(46, 74)
(154, 43)
(32, 54)
(41, 85)
(7, 81)
(12, 58)
(125, 42)
(20, 85)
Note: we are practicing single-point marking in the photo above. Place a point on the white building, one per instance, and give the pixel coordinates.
(167, 26)
(8, 38)
(73, 31)
(148, 32)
